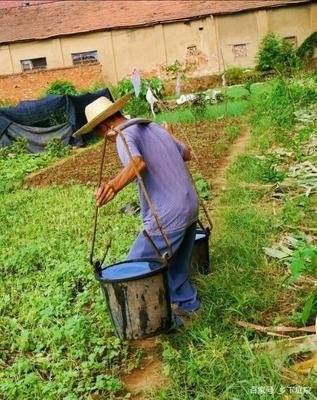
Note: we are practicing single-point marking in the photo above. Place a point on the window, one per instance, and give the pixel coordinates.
(292, 40)
(85, 57)
(240, 50)
(33, 63)
(192, 50)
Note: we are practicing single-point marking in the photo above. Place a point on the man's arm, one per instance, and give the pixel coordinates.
(107, 191)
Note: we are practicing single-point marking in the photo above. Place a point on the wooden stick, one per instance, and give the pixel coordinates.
(275, 329)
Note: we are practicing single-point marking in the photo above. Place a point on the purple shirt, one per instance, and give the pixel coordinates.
(166, 178)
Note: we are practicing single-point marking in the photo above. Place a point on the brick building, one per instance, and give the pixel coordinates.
(147, 35)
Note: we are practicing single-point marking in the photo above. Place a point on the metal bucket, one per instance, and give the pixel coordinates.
(137, 296)
(201, 258)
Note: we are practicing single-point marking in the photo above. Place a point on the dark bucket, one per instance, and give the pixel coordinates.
(201, 259)
(137, 295)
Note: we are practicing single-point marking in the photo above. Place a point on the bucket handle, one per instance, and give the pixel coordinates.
(97, 264)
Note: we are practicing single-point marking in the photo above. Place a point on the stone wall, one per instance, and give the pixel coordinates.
(30, 85)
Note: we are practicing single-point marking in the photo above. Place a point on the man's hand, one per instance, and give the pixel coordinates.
(105, 193)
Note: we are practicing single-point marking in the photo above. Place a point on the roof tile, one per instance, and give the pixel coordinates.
(59, 18)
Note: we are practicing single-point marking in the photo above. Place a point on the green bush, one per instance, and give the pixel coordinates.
(61, 87)
(56, 148)
(138, 106)
(125, 86)
(306, 50)
(6, 103)
(202, 186)
(279, 104)
(199, 107)
(234, 75)
(276, 54)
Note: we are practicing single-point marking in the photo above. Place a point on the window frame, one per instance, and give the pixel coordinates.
(292, 40)
(94, 58)
(243, 46)
(31, 63)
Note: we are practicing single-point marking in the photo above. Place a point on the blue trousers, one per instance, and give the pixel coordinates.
(182, 292)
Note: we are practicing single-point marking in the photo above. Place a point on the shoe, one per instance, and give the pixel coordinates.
(177, 323)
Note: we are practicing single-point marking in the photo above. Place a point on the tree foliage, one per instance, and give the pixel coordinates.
(276, 54)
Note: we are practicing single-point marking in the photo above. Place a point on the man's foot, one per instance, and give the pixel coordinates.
(187, 317)
(177, 323)
(186, 313)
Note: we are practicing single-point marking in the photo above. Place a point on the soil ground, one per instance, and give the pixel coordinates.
(207, 139)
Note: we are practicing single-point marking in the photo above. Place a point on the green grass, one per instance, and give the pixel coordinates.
(56, 339)
(238, 103)
(213, 359)
(56, 336)
(234, 109)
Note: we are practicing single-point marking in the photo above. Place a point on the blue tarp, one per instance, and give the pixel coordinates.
(38, 120)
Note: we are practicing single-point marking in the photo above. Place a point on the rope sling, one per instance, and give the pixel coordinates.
(97, 264)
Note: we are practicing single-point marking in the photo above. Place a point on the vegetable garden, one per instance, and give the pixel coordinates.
(56, 338)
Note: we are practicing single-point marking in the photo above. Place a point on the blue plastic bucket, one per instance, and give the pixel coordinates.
(137, 296)
(201, 257)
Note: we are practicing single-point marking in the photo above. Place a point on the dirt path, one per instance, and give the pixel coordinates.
(238, 147)
(148, 376)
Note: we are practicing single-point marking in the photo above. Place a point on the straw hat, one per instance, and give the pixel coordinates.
(99, 110)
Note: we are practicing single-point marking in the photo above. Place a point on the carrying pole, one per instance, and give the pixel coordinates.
(96, 263)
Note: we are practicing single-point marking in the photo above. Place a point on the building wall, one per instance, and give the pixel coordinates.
(31, 85)
(295, 21)
(5, 60)
(100, 41)
(193, 41)
(43, 48)
(238, 30)
(206, 43)
(138, 48)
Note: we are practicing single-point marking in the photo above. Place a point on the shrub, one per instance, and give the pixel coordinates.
(61, 87)
(6, 103)
(199, 107)
(234, 75)
(19, 146)
(306, 50)
(56, 148)
(138, 106)
(276, 54)
(280, 102)
(203, 186)
(125, 86)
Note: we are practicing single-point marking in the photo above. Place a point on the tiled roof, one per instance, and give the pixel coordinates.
(59, 18)
(21, 3)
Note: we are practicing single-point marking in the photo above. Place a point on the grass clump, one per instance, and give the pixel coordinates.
(56, 336)
(16, 162)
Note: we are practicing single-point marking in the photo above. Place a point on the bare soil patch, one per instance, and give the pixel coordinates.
(236, 149)
(148, 376)
(207, 138)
